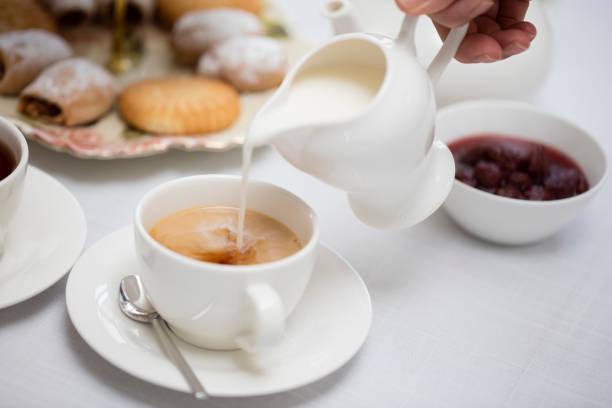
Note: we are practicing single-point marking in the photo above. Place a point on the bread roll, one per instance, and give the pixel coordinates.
(70, 92)
(24, 14)
(196, 32)
(250, 63)
(24, 54)
(172, 10)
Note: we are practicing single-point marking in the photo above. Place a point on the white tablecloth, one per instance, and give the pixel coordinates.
(457, 322)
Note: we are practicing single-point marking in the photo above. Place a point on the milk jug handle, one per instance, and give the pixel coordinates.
(446, 53)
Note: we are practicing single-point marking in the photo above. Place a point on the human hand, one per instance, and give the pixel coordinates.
(497, 28)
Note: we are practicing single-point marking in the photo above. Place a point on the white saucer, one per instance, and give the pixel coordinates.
(43, 241)
(327, 328)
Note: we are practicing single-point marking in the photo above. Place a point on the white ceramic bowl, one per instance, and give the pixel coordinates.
(507, 220)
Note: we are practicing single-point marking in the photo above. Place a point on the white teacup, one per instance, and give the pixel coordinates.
(217, 306)
(11, 187)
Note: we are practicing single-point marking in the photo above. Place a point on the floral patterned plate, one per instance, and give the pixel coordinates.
(110, 137)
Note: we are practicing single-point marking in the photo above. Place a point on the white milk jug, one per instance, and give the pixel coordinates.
(358, 113)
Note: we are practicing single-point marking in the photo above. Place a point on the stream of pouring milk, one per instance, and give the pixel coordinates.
(316, 95)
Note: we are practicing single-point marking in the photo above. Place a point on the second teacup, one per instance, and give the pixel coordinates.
(14, 157)
(221, 306)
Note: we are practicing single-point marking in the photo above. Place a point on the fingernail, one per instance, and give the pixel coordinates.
(485, 58)
(531, 35)
(531, 30)
(415, 6)
(480, 8)
(513, 49)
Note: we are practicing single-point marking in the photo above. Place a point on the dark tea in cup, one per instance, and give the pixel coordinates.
(7, 161)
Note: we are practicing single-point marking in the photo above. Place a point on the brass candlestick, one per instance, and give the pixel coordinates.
(120, 58)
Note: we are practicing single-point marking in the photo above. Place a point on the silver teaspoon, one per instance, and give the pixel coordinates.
(135, 305)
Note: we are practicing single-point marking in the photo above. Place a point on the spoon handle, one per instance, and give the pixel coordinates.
(163, 334)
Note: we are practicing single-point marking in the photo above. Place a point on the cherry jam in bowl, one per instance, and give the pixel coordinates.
(521, 173)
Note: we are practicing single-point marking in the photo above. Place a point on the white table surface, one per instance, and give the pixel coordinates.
(457, 322)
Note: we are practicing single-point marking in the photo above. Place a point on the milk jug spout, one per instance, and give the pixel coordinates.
(342, 16)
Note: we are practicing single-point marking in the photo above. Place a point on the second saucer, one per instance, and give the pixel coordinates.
(45, 239)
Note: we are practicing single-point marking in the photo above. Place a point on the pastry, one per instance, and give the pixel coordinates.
(250, 63)
(181, 105)
(70, 92)
(71, 12)
(172, 10)
(24, 54)
(24, 14)
(136, 11)
(196, 32)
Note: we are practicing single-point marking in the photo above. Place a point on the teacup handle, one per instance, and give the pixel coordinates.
(268, 319)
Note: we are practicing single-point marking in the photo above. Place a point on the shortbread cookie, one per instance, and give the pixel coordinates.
(172, 10)
(24, 14)
(181, 105)
(250, 63)
(196, 32)
(70, 13)
(24, 54)
(70, 92)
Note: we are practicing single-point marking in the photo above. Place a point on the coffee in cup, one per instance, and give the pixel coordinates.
(210, 234)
